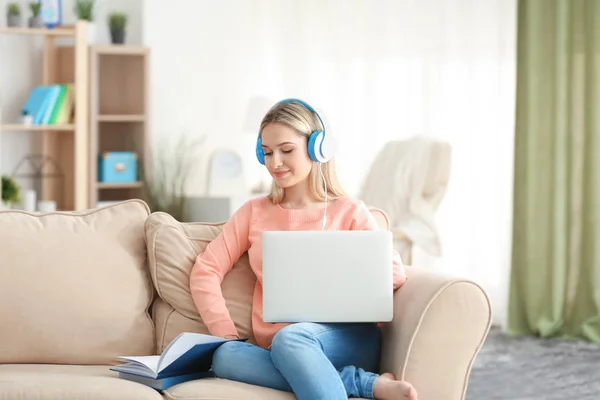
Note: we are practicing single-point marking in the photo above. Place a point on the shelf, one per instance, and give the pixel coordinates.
(108, 49)
(58, 61)
(132, 185)
(62, 31)
(118, 122)
(121, 118)
(36, 128)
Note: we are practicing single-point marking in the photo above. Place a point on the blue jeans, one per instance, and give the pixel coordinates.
(314, 361)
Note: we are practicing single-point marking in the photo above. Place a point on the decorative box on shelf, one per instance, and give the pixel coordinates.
(117, 167)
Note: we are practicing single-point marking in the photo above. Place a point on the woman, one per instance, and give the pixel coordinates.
(312, 360)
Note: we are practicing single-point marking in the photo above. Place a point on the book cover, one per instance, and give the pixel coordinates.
(188, 353)
(66, 109)
(62, 89)
(52, 93)
(165, 383)
(36, 104)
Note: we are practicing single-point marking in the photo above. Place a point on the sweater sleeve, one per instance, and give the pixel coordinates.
(364, 220)
(210, 269)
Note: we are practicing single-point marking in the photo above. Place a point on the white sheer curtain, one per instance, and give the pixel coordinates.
(379, 71)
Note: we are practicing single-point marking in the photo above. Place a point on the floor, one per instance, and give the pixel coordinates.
(530, 368)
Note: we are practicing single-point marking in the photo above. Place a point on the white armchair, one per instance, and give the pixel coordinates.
(408, 180)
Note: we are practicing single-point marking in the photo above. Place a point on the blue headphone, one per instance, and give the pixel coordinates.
(321, 146)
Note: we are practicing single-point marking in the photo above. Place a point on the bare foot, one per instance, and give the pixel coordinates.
(388, 388)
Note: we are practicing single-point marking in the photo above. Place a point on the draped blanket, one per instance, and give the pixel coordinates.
(408, 180)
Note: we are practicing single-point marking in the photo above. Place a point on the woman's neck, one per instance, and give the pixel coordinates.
(298, 196)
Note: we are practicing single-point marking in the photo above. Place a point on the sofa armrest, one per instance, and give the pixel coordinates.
(440, 323)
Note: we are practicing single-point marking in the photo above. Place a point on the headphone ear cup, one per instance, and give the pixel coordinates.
(260, 154)
(314, 144)
(328, 147)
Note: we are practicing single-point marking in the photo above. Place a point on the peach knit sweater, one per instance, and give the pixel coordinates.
(243, 232)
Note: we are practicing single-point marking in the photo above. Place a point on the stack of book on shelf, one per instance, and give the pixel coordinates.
(49, 105)
(187, 357)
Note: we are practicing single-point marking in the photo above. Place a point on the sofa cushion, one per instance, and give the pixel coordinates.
(171, 323)
(172, 250)
(223, 389)
(65, 382)
(74, 287)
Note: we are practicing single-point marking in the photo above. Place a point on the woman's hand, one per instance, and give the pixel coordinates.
(232, 337)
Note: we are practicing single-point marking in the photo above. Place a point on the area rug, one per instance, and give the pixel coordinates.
(528, 368)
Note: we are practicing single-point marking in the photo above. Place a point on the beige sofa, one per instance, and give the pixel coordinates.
(79, 289)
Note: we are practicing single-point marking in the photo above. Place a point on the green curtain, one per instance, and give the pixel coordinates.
(555, 275)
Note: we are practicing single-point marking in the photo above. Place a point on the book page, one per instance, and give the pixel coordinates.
(135, 369)
(147, 362)
(181, 344)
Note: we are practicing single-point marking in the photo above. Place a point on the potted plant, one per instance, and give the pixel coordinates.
(165, 173)
(10, 192)
(35, 21)
(13, 14)
(84, 11)
(117, 21)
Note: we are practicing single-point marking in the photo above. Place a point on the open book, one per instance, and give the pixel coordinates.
(189, 353)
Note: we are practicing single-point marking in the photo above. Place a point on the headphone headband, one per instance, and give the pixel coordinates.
(321, 146)
(305, 104)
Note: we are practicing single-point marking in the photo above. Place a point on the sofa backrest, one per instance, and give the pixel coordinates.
(74, 287)
(172, 251)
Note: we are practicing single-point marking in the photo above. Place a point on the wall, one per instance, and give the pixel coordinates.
(20, 70)
(200, 79)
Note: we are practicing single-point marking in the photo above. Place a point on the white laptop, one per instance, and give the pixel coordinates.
(327, 276)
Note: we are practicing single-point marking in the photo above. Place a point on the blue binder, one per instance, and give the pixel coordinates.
(39, 101)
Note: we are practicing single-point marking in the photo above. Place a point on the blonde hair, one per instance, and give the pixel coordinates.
(304, 122)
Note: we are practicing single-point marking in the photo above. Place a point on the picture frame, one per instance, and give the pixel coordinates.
(51, 12)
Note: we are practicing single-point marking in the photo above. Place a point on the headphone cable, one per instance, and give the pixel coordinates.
(325, 185)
